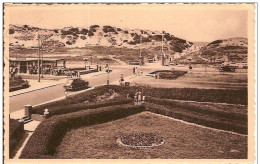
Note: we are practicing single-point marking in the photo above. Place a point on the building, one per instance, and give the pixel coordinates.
(24, 64)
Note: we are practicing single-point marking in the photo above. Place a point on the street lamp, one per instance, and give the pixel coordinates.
(107, 69)
(85, 60)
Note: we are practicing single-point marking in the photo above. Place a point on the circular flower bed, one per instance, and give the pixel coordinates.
(140, 140)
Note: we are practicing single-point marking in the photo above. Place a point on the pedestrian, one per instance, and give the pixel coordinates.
(139, 98)
(121, 79)
(134, 70)
(190, 67)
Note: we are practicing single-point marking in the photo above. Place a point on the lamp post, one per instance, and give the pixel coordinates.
(85, 60)
(107, 69)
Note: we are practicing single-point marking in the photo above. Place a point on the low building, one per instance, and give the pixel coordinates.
(24, 64)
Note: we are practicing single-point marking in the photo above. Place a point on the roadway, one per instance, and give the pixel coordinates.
(43, 95)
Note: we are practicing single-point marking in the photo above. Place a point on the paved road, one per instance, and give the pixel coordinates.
(44, 95)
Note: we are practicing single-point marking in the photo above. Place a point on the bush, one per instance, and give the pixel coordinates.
(82, 106)
(200, 119)
(16, 133)
(84, 31)
(68, 43)
(90, 33)
(11, 31)
(108, 29)
(56, 31)
(94, 26)
(48, 134)
(83, 37)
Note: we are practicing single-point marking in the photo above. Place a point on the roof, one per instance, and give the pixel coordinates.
(35, 59)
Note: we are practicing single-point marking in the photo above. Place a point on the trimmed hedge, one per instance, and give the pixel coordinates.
(200, 119)
(205, 109)
(82, 106)
(48, 134)
(16, 133)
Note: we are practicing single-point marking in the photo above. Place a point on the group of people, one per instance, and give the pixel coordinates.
(139, 98)
(13, 71)
(71, 74)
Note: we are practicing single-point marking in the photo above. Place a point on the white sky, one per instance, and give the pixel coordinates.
(190, 23)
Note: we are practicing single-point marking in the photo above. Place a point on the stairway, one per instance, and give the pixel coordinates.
(26, 119)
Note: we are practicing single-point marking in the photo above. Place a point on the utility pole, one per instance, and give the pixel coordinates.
(39, 77)
(42, 59)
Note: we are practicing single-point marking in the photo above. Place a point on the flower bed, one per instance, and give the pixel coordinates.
(140, 140)
(43, 142)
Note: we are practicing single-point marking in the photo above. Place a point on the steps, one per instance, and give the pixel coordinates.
(26, 120)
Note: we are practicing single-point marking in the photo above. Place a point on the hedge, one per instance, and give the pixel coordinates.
(200, 119)
(16, 133)
(219, 111)
(81, 106)
(194, 94)
(49, 133)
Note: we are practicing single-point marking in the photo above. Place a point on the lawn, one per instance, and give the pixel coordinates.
(182, 141)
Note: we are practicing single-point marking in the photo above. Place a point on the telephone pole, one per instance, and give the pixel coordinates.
(39, 76)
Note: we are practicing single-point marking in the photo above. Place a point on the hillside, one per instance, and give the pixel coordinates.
(232, 49)
(25, 37)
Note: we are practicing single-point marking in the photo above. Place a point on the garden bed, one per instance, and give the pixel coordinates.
(182, 141)
(47, 136)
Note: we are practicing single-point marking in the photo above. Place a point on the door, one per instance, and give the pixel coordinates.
(23, 67)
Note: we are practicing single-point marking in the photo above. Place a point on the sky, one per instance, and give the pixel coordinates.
(196, 24)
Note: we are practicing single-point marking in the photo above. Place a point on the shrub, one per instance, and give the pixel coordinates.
(126, 32)
(108, 29)
(48, 134)
(68, 43)
(94, 26)
(218, 123)
(16, 133)
(90, 33)
(84, 31)
(82, 106)
(215, 42)
(11, 31)
(83, 37)
(118, 29)
(56, 31)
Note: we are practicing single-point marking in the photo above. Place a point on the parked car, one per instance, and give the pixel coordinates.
(227, 69)
(76, 84)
